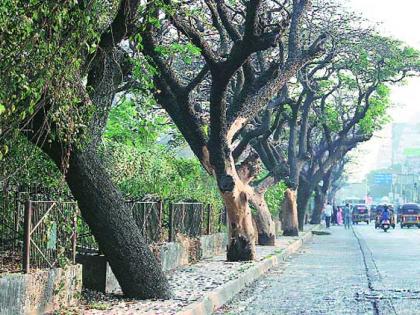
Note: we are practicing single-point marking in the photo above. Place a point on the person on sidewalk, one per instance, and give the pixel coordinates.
(334, 218)
(328, 211)
(340, 216)
(347, 216)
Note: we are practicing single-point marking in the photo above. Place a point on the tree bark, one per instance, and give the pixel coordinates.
(289, 215)
(263, 220)
(247, 171)
(254, 225)
(303, 197)
(319, 205)
(241, 246)
(321, 197)
(103, 208)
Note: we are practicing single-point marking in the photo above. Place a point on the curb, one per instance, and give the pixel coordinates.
(220, 296)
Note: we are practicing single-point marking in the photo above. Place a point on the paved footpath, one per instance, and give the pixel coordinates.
(359, 271)
(210, 280)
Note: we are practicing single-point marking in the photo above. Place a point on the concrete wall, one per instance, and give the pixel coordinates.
(212, 245)
(40, 292)
(172, 255)
(97, 274)
(186, 251)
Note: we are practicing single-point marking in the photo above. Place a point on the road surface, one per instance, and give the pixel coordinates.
(358, 271)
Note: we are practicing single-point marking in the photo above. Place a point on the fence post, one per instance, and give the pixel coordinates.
(16, 218)
(171, 223)
(160, 219)
(145, 227)
(208, 219)
(27, 237)
(74, 238)
(220, 219)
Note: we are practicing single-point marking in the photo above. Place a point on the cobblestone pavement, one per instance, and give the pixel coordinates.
(189, 284)
(365, 271)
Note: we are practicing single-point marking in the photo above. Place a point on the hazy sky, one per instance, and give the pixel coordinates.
(399, 19)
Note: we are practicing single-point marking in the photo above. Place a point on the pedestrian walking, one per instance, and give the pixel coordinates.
(347, 216)
(340, 216)
(334, 219)
(328, 211)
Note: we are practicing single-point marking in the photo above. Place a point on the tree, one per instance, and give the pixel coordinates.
(131, 147)
(241, 34)
(63, 69)
(338, 179)
(283, 141)
(356, 108)
(325, 192)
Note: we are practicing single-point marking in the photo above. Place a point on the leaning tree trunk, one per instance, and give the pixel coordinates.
(321, 197)
(264, 223)
(263, 220)
(303, 197)
(103, 208)
(289, 215)
(241, 246)
(319, 205)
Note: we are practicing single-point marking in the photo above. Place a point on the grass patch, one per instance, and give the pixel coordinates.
(99, 306)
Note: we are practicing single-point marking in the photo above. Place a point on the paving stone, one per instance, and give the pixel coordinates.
(189, 284)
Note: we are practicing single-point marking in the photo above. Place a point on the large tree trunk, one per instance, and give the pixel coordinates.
(264, 222)
(101, 204)
(247, 171)
(303, 197)
(241, 246)
(319, 205)
(289, 215)
(104, 210)
(321, 197)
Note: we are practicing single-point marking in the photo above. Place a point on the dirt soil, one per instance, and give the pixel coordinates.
(10, 262)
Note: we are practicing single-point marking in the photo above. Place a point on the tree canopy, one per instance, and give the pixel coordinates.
(242, 104)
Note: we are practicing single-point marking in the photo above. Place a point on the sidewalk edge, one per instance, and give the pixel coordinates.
(221, 295)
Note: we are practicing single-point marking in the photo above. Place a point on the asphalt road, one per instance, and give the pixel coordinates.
(358, 271)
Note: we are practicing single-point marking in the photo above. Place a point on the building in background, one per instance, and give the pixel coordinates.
(406, 145)
(398, 178)
(384, 153)
(354, 191)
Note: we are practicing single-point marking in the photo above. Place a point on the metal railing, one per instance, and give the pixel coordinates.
(43, 233)
(49, 234)
(86, 242)
(148, 216)
(12, 209)
(158, 221)
(189, 218)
